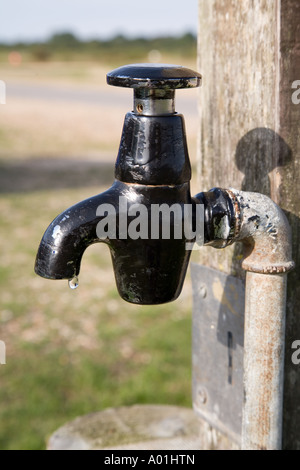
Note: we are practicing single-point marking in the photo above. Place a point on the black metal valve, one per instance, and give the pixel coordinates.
(153, 147)
(154, 85)
(152, 177)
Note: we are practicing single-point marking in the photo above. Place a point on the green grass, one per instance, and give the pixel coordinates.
(76, 352)
(66, 47)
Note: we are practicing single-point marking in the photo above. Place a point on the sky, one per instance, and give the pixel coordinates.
(27, 20)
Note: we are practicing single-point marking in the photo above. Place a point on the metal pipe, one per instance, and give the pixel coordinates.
(263, 361)
(265, 232)
(256, 221)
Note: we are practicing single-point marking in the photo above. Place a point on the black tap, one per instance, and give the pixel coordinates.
(152, 175)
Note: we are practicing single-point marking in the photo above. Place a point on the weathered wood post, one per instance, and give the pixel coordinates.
(249, 56)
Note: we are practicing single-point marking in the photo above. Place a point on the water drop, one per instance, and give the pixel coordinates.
(73, 283)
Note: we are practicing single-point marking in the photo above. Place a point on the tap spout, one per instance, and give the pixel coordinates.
(148, 270)
(69, 235)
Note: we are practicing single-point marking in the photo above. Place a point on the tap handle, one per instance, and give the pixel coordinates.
(154, 85)
(162, 76)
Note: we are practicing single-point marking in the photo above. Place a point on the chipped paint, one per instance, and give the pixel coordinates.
(264, 361)
(222, 228)
(266, 234)
(265, 230)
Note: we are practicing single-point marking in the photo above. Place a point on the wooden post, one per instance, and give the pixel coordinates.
(249, 55)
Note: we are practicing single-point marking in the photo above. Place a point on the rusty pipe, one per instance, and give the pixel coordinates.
(263, 228)
(263, 361)
(256, 221)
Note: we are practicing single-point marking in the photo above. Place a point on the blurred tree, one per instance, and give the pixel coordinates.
(40, 52)
(64, 40)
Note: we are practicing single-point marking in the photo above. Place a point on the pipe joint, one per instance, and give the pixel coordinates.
(264, 229)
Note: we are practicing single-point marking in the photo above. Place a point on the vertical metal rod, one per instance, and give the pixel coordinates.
(263, 361)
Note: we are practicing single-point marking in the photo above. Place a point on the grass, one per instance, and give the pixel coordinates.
(75, 352)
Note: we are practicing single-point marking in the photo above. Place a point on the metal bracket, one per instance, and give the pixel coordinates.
(218, 339)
